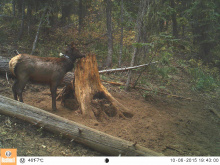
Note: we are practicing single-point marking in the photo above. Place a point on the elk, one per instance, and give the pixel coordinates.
(47, 70)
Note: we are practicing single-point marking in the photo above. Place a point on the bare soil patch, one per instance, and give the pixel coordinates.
(164, 124)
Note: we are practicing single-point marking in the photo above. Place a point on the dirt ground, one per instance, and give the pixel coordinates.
(165, 124)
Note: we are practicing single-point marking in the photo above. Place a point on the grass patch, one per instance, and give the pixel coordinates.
(203, 81)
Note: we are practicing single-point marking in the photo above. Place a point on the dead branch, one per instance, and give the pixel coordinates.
(138, 87)
(125, 69)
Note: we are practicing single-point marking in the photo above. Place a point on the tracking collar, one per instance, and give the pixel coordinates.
(64, 55)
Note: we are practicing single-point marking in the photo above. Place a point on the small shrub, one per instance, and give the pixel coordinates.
(203, 81)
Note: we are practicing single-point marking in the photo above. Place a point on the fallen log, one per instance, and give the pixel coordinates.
(4, 65)
(92, 138)
(69, 76)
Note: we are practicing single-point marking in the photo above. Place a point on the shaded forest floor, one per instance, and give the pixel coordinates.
(163, 123)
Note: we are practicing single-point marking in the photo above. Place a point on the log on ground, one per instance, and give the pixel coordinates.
(4, 65)
(92, 138)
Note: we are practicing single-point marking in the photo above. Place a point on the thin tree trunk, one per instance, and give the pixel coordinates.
(29, 15)
(38, 31)
(80, 15)
(19, 7)
(175, 30)
(13, 8)
(121, 39)
(22, 20)
(109, 32)
(142, 12)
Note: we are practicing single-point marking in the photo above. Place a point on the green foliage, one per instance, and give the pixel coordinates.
(3, 36)
(161, 49)
(14, 24)
(204, 17)
(202, 81)
(163, 71)
(203, 78)
(166, 57)
(7, 9)
(103, 77)
(198, 25)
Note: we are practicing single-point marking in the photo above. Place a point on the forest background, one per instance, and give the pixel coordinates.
(122, 33)
(175, 99)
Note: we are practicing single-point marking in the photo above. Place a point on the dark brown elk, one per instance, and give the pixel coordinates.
(49, 70)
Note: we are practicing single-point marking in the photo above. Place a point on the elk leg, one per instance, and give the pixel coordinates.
(20, 88)
(14, 87)
(53, 89)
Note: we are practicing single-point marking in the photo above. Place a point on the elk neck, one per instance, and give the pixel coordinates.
(69, 64)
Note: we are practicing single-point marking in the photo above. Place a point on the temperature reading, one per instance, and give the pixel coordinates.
(33, 160)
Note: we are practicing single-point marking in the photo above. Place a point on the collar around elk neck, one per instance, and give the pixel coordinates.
(64, 55)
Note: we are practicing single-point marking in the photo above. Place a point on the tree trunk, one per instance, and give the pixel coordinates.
(94, 99)
(19, 7)
(140, 17)
(66, 10)
(92, 138)
(121, 38)
(38, 31)
(13, 8)
(80, 15)
(29, 16)
(109, 32)
(175, 30)
(22, 21)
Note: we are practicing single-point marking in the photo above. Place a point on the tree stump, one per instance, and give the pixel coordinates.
(94, 99)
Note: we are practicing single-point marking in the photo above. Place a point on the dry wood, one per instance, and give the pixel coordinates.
(89, 90)
(70, 75)
(92, 138)
(125, 69)
(163, 93)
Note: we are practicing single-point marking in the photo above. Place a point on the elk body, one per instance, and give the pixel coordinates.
(49, 70)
